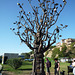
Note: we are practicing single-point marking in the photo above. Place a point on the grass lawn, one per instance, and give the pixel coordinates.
(27, 68)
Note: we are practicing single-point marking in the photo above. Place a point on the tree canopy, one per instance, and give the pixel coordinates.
(37, 28)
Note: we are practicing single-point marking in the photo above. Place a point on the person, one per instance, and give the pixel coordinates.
(1, 69)
(48, 66)
(57, 66)
(73, 64)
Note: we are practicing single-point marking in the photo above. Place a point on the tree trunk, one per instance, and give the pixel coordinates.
(38, 64)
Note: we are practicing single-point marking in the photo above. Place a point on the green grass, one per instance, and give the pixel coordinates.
(27, 67)
(63, 66)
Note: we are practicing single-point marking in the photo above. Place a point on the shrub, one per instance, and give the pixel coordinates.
(55, 53)
(14, 63)
(46, 53)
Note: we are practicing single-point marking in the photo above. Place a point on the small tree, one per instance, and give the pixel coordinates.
(14, 63)
(36, 29)
(26, 55)
(71, 52)
(63, 52)
(55, 52)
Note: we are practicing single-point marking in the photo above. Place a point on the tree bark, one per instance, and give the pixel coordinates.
(38, 64)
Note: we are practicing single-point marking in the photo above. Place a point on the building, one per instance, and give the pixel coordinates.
(8, 56)
(66, 41)
(58, 44)
(21, 56)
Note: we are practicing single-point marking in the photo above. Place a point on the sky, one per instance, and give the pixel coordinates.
(10, 43)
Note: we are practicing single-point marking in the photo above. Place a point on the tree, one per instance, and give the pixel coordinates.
(63, 52)
(26, 55)
(55, 52)
(35, 29)
(71, 51)
(0, 59)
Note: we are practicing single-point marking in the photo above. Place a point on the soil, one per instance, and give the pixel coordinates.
(11, 73)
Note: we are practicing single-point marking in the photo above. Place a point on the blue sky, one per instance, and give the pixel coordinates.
(9, 42)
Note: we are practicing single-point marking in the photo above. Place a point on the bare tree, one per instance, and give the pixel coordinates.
(37, 29)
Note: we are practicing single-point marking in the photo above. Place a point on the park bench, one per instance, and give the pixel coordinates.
(69, 69)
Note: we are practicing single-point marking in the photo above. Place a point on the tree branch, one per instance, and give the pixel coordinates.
(27, 43)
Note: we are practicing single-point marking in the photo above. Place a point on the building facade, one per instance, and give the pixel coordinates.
(8, 56)
(66, 41)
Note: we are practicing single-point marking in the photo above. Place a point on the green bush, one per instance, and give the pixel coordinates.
(46, 53)
(14, 63)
